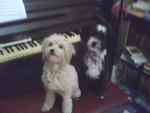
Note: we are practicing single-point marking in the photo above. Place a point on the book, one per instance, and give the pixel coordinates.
(133, 51)
(135, 54)
(139, 59)
(147, 66)
(147, 72)
(128, 60)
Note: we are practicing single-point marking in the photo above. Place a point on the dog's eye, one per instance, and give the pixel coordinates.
(50, 44)
(60, 46)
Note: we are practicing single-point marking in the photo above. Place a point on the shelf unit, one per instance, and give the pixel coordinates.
(132, 77)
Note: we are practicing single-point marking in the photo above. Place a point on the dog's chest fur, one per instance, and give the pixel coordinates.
(94, 62)
(60, 80)
(54, 82)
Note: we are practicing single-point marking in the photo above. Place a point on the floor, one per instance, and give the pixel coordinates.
(32, 102)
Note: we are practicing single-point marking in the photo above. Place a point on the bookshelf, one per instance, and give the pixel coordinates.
(137, 81)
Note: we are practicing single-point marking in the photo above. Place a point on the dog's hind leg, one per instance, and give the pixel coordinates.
(99, 87)
(67, 104)
(49, 101)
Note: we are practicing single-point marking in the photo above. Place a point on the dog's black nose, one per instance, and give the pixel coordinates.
(93, 44)
(52, 51)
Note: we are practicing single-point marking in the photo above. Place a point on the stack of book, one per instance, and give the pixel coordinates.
(134, 56)
(146, 68)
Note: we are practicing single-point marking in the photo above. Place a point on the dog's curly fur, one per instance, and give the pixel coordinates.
(59, 76)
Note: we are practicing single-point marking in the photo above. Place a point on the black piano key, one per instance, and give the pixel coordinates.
(68, 33)
(30, 44)
(11, 49)
(1, 52)
(21, 46)
(18, 47)
(39, 41)
(26, 47)
(7, 49)
(66, 36)
(33, 43)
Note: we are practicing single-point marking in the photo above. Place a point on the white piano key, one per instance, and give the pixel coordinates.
(39, 48)
(29, 50)
(17, 53)
(5, 57)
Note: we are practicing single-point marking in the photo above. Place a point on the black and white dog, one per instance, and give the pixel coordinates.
(95, 63)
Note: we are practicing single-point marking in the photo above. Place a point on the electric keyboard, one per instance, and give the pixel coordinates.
(28, 47)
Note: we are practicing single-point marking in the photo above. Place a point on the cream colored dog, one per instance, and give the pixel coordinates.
(59, 76)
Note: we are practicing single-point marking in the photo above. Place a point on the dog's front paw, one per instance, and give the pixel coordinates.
(102, 97)
(45, 108)
(77, 93)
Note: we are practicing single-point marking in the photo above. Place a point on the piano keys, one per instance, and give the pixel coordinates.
(18, 50)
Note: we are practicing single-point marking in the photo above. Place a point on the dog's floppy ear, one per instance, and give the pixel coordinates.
(43, 48)
(70, 52)
(101, 28)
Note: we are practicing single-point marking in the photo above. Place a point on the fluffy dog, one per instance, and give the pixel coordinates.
(95, 62)
(59, 76)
